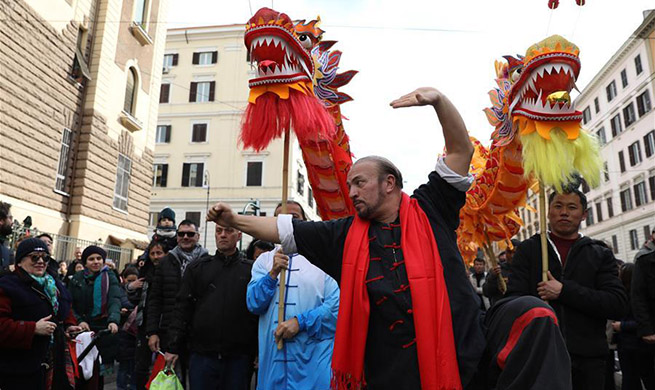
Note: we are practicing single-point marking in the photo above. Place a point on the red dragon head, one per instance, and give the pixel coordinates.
(541, 87)
(281, 95)
(281, 53)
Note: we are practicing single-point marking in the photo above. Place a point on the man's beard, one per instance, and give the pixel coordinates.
(370, 211)
(5, 230)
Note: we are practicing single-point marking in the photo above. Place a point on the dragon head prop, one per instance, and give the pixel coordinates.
(281, 94)
(533, 102)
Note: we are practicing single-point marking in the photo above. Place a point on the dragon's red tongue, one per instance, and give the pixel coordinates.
(267, 64)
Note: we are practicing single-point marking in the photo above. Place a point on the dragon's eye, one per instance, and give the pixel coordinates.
(305, 41)
(516, 74)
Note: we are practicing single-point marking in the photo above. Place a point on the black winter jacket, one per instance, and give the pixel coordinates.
(591, 293)
(211, 312)
(642, 290)
(162, 291)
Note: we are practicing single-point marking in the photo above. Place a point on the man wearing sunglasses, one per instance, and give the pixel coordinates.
(165, 286)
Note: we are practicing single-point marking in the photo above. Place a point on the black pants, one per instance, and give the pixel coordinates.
(34, 381)
(142, 361)
(637, 365)
(588, 373)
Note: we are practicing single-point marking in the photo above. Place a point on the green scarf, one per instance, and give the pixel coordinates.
(49, 286)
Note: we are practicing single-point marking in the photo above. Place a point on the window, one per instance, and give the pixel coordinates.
(621, 161)
(193, 216)
(205, 58)
(590, 216)
(643, 103)
(638, 68)
(254, 173)
(160, 175)
(611, 91)
(596, 105)
(610, 207)
(141, 12)
(634, 239)
(199, 132)
(606, 172)
(634, 151)
(647, 232)
(651, 184)
(152, 219)
(80, 68)
(301, 184)
(164, 93)
(629, 116)
(202, 91)
(599, 211)
(626, 200)
(586, 115)
(170, 60)
(616, 125)
(640, 193)
(602, 140)
(64, 156)
(130, 92)
(163, 135)
(121, 190)
(624, 78)
(192, 174)
(649, 143)
(615, 244)
(310, 198)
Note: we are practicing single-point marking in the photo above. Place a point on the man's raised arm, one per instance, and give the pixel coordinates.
(263, 228)
(458, 146)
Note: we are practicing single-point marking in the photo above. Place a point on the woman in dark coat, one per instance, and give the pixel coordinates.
(96, 301)
(35, 320)
(138, 293)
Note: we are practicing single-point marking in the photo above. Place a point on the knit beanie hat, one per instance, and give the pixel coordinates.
(30, 245)
(167, 213)
(93, 250)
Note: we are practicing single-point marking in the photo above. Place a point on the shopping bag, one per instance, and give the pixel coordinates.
(166, 380)
(160, 364)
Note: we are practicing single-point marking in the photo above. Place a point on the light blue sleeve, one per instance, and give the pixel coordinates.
(321, 321)
(261, 288)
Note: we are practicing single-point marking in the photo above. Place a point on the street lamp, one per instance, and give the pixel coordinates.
(256, 207)
(206, 178)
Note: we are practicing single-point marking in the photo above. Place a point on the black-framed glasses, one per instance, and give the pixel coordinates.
(35, 257)
(188, 234)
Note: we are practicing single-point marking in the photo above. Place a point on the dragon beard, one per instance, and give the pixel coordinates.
(274, 109)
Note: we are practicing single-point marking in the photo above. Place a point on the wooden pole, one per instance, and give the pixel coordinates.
(285, 196)
(502, 286)
(543, 232)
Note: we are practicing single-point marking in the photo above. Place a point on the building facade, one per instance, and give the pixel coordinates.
(617, 107)
(198, 159)
(79, 90)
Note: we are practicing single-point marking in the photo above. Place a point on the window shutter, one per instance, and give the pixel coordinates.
(635, 188)
(203, 133)
(193, 91)
(212, 90)
(623, 205)
(621, 161)
(200, 173)
(214, 57)
(185, 174)
(164, 175)
(631, 153)
(196, 58)
(175, 59)
(168, 133)
(163, 94)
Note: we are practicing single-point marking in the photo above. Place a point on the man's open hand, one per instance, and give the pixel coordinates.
(423, 96)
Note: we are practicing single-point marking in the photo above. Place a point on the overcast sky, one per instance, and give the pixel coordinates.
(398, 46)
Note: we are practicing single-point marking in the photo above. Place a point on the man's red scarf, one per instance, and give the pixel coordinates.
(435, 343)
